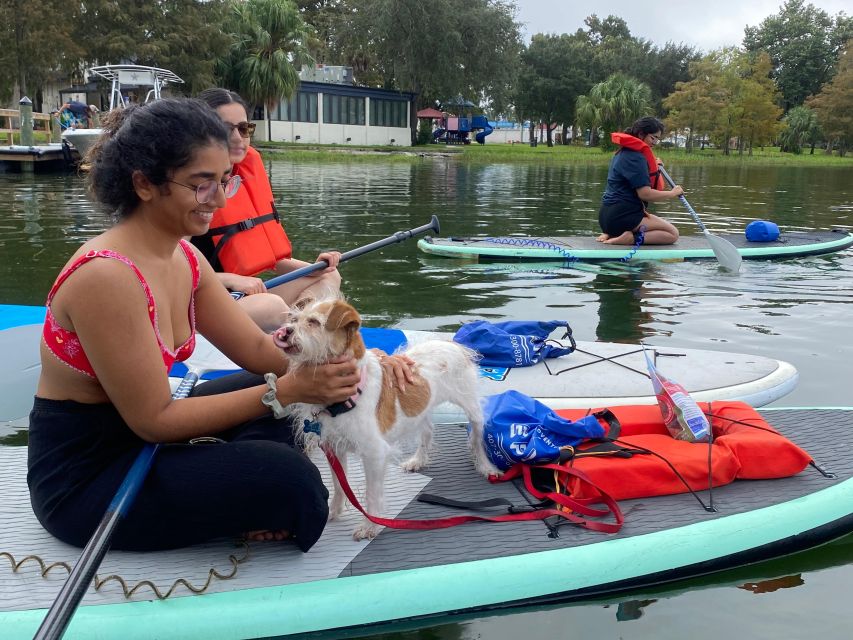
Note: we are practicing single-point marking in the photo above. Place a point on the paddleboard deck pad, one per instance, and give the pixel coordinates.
(596, 374)
(342, 586)
(585, 248)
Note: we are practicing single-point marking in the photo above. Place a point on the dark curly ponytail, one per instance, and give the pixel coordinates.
(155, 138)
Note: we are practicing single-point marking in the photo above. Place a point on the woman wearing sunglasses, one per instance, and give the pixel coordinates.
(632, 181)
(246, 236)
(125, 308)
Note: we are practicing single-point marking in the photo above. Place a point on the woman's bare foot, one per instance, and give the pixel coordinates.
(602, 238)
(626, 238)
(265, 535)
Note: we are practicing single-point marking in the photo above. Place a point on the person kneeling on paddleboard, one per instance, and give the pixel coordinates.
(633, 180)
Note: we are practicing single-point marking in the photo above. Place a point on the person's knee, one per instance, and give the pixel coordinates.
(266, 309)
(333, 280)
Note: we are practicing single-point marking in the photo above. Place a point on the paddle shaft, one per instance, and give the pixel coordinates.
(433, 225)
(724, 251)
(59, 615)
(686, 204)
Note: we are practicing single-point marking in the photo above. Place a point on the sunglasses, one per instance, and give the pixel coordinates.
(245, 129)
(206, 191)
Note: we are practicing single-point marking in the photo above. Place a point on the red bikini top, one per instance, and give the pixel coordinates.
(65, 345)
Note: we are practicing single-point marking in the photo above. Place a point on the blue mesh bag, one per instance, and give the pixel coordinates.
(514, 343)
(519, 428)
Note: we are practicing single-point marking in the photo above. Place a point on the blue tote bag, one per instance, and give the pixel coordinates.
(513, 343)
(519, 428)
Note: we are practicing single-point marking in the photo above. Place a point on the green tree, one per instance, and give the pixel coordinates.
(753, 107)
(184, 36)
(613, 105)
(551, 79)
(438, 49)
(800, 127)
(694, 105)
(804, 44)
(834, 105)
(36, 44)
(269, 45)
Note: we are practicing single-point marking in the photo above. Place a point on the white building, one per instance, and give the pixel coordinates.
(337, 113)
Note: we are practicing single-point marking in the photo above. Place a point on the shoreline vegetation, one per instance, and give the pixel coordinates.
(524, 153)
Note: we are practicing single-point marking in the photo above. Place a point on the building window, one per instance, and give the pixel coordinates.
(302, 107)
(343, 109)
(388, 113)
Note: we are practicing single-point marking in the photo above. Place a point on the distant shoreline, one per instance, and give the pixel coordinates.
(524, 153)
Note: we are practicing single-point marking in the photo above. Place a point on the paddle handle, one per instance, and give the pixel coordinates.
(59, 615)
(686, 204)
(433, 225)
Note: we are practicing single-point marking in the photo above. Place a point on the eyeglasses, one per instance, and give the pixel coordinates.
(206, 191)
(654, 137)
(245, 129)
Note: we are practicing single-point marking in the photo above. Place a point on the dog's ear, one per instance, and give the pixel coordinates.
(344, 316)
(300, 304)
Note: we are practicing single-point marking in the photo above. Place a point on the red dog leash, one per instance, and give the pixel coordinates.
(452, 521)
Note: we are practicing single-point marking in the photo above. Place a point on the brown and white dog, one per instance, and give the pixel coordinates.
(383, 415)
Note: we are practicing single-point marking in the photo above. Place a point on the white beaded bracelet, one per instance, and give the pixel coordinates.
(269, 399)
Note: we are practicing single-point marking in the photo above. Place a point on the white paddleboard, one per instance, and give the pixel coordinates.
(597, 374)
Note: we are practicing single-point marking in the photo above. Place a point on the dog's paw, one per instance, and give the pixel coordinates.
(415, 463)
(365, 532)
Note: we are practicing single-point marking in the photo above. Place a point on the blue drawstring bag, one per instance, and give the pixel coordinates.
(519, 428)
(513, 343)
(762, 231)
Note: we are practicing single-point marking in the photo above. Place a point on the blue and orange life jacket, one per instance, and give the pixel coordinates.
(247, 232)
(627, 141)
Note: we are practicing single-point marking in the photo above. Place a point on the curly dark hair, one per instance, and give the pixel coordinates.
(645, 126)
(218, 96)
(155, 139)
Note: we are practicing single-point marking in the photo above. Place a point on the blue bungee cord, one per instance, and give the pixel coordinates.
(568, 258)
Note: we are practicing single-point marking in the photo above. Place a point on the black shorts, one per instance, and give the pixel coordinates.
(254, 479)
(616, 219)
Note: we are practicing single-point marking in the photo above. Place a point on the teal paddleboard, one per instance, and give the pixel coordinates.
(586, 249)
(344, 587)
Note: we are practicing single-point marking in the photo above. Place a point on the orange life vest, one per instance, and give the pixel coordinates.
(745, 447)
(247, 232)
(628, 141)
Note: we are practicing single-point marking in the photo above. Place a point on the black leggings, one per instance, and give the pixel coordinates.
(80, 453)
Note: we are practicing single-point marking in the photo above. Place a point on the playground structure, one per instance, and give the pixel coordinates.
(458, 129)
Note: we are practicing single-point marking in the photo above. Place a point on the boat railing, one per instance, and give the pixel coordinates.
(134, 75)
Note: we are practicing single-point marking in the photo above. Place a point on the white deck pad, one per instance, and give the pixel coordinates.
(268, 564)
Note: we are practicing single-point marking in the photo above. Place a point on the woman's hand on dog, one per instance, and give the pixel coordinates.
(334, 381)
(399, 367)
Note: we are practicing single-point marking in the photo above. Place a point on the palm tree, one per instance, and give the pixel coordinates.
(614, 104)
(270, 44)
(801, 127)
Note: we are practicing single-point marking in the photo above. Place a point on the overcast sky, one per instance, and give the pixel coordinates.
(704, 24)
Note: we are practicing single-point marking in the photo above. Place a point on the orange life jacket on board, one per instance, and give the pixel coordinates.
(745, 447)
(247, 232)
(627, 141)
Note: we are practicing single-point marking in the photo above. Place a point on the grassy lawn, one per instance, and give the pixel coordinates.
(501, 153)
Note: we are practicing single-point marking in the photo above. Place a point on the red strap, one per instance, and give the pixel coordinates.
(566, 501)
(443, 523)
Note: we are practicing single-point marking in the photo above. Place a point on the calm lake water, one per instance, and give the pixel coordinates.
(797, 310)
